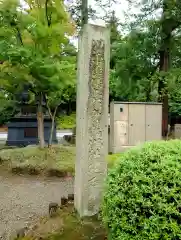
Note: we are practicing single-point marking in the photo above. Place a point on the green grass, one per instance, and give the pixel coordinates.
(56, 161)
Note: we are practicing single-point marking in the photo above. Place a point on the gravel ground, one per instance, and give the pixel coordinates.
(23, 200)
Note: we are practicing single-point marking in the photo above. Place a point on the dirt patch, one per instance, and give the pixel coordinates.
(67, 226)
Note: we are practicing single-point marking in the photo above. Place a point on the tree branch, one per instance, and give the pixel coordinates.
(19, 35)
(48, 107)
(13, 23)
(48, 18)
(55, 111)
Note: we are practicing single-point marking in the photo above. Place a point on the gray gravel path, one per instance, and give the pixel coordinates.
(22, 200)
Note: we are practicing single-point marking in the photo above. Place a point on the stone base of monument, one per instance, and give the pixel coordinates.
(65, 224)
(23, 131)
(126, 148)
(122, 149)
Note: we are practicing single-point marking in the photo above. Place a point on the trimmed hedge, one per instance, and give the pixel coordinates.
(143, 193)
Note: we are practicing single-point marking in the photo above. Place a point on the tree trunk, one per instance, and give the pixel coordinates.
(51, 132)
(52, 116)
(168, 25)
(148, 92)
(84, 11)
(162, 87)
(166, 34)
(40, 121)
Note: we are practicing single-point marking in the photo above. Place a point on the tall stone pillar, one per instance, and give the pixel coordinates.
(92, 118)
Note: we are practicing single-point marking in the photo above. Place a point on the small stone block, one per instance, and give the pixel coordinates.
(71, 197)
(64, 201)
(53, 208)
(20, 233)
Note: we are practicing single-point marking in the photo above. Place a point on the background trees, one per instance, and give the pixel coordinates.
(147, 58)
(35, 48)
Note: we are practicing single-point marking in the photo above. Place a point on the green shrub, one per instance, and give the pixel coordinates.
(143, 193)
(112, 159)
(66, 122)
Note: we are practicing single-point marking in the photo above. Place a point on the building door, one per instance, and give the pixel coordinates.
(153, 122)
(136, 124)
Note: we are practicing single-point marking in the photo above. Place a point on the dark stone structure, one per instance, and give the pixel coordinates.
(23, 128)
(23, 131)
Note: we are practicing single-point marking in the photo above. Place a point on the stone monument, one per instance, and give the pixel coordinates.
(92, 118)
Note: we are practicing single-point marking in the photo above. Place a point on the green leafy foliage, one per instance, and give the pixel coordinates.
(66, 91)
(66, 122)
(81, 10)
(135, 62)
(8, 107)
(142, 196)
(35, 49)
(34, 43)
(138, 72)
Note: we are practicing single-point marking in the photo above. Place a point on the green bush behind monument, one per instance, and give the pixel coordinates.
(143, 193)
(66, 122)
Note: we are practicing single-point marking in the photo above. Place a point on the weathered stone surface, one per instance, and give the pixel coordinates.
(92, 118)
(177, 130)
